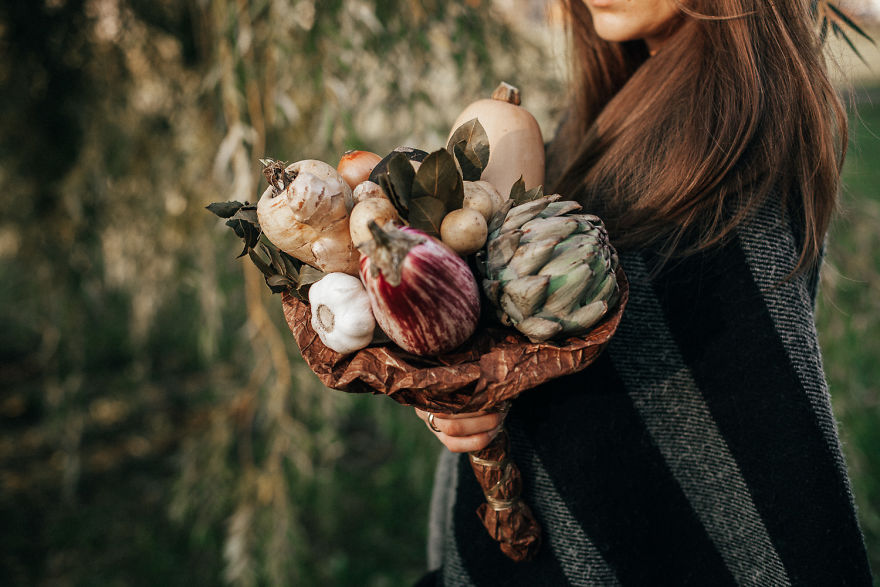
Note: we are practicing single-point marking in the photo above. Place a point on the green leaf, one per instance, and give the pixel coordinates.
(469, 144)
(438, 177)
(426, 214)
(224, 209)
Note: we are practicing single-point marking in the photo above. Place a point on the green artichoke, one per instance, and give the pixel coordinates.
(549, 271)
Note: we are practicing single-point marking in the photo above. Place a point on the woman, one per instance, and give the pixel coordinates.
(700, 448)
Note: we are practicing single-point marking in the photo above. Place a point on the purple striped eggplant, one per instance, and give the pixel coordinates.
(423, 295)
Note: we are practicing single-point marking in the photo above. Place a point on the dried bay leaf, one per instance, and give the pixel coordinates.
(426, 214)
(282, 272)
(384, 182)
(519, 194)
(278, 283)
(224, 209)
(518, 191)
(247, 231)
(534, 194)
(307, 276)
(291, 265)
(470, 170)
(401, 176)
(264, 267)
(469, 144)
(247, 213)
(438, 177)
(276, 258)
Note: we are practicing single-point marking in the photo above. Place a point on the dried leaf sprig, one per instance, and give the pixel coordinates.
(281, 271)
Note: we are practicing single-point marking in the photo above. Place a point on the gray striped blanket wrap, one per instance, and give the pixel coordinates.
(699, 449)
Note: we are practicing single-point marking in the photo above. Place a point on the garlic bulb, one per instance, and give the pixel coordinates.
(341, 313)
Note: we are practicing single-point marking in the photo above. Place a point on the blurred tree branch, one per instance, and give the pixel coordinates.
(127, 117)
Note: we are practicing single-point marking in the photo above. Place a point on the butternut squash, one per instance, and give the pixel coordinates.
(516, 146)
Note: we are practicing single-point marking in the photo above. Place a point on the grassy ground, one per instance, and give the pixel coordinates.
(848, 315)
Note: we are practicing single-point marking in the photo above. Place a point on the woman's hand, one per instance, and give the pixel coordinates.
(465, 432)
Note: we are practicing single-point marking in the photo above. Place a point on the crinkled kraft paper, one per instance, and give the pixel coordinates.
(494, 366)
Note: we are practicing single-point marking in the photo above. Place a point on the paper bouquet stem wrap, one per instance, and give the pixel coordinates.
(492, 368)
(505, 515)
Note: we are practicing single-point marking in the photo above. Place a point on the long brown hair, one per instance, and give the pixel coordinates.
(675, 150)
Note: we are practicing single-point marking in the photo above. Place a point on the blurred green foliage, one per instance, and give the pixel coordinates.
(156, 426)
(848, 314)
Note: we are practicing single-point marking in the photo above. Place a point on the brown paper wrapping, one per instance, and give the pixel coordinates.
(491, 368)
(505, 515)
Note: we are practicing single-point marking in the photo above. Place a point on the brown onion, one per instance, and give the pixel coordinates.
(356, 166)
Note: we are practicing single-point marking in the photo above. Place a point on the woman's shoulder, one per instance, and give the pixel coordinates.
(745, 288)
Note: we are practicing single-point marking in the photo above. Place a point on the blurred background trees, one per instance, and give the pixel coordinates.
(157, 425)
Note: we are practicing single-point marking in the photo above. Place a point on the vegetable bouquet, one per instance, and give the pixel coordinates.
(412, 276)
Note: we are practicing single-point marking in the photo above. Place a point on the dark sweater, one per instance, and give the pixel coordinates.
(700, 448)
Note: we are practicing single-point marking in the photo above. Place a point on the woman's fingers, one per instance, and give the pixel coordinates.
(463, 424)
(464, 432)
(466, 443)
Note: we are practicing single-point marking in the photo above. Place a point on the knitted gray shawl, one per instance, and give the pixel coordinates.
(700, 449)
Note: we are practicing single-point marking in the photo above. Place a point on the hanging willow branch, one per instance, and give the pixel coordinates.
(830, 18)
